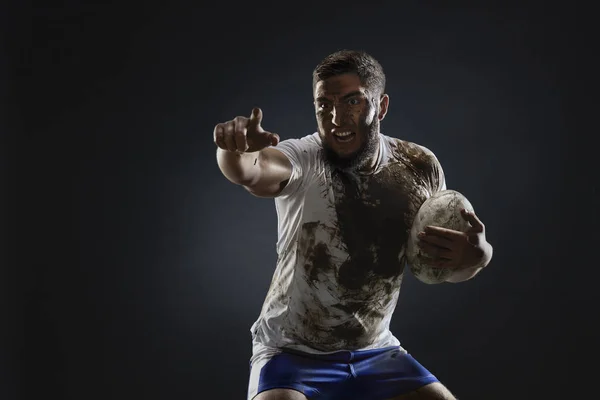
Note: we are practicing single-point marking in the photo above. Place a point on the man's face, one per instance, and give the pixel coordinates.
(348, 119)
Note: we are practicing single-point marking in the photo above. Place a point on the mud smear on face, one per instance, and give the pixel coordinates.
(365, 132)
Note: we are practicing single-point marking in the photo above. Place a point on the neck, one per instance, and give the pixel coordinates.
(370, 164)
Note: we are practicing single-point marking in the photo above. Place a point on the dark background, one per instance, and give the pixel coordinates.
(143, 267)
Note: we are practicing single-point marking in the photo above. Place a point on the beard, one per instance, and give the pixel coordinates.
(359, 158)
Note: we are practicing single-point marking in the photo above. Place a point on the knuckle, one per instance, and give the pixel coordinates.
(229, 133)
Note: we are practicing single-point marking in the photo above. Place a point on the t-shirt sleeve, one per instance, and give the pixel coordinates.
(434, 173)
(300, 153)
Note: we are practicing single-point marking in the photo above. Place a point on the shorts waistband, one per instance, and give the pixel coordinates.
(344, 356)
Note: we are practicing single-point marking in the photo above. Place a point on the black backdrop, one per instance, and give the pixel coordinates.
(143, 268)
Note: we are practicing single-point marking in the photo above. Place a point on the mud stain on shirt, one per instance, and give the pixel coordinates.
(373, 217)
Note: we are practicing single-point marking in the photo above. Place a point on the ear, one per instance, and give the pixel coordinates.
(384, 102)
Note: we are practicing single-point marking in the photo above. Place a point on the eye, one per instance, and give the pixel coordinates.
(323, 106)
(354, 101)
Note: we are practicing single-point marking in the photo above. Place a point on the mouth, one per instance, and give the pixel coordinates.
(344, 137)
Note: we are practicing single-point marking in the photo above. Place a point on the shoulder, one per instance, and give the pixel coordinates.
(310, 142)
(417, 155)
(304, 156)
(297, 149)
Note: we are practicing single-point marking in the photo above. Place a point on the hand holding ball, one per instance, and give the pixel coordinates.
(434, 253)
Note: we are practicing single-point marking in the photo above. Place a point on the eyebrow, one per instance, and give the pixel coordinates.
(344, 97)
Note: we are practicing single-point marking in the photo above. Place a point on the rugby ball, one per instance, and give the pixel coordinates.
(442, 209)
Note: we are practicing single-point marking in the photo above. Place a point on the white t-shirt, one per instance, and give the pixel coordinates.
(341, 244)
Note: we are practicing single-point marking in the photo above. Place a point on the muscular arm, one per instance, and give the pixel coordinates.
(263, 173)
(246, 157)
(459, 244)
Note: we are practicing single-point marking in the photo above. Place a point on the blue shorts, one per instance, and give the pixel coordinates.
(378, 374)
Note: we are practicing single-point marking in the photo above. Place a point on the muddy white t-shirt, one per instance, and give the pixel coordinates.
(341, 244)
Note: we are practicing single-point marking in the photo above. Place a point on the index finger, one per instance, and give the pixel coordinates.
(445, 233)
(218, 134)
(255, 117)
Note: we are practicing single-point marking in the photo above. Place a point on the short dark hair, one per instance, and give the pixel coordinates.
(367, 68)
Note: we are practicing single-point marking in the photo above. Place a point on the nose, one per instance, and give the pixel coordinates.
(336, 116)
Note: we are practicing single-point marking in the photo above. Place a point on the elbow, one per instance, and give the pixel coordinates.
(430, 276)
(469, 273)
(464, 275)
(238, 168)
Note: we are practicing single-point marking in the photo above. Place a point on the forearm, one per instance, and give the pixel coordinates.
(239, 168)
(468, 273)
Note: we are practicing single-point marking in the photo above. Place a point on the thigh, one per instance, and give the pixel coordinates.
(432, 391)
(388, 373)
(281, 394)
(286, 374)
